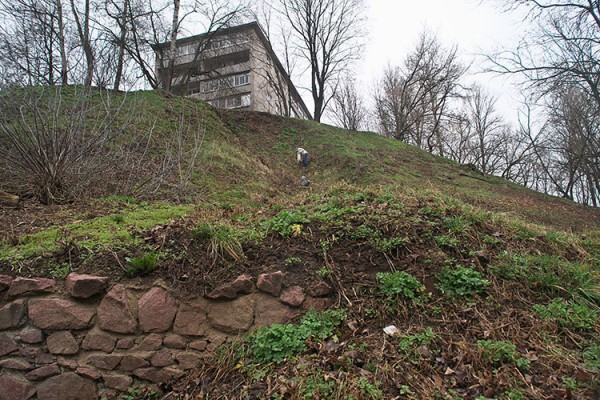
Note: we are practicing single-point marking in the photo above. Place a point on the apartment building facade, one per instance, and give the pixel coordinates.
(233, 68)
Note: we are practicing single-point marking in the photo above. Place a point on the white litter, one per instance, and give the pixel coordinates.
(390, 330)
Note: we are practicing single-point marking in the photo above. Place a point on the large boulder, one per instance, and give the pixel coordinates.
(232, 316)
(12, 388)
(67, 386)
(115, 312)
(157, 310)
(190, 320)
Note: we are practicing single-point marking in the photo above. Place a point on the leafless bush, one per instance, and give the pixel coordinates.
(55, 141)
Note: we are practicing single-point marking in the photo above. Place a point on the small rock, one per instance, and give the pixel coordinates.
(188, 360)
(62, 342)
(162, 358)
(26, 286)
(270, 283)
(12, 315)
(125, 344)
(19, 364)
(119, 382)
(199, 345)
(105, 361)
(270, 311)
(154, 375)
(43, 372)
(89, 372)
(175, 342)
(293, 296)
(131, 362)
(317, 304)
(151, 342)
(7, 345)
(44, 358)
(321, 289)
(5, 282)
(31, 335)
(67, 363)
(99, 341)
(242, 284)
(85, 286)
(30, 352)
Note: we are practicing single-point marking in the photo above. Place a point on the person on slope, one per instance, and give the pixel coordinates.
(302, 156)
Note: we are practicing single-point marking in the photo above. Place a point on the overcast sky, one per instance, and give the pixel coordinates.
(474, 26)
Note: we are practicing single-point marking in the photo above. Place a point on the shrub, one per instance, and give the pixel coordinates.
(461, 281)
(568, 314)
(399, 283)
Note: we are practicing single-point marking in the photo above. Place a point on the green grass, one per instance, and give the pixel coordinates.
(104, 230)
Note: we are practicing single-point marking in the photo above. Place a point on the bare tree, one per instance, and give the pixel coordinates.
(561, 48)
(413, 101)
(33, 42)
(348, 109)
(327, 35)
(82, 21)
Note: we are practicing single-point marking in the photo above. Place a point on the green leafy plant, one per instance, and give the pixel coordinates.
(591, 355)
(408, 344)
(447, 241)
(568, 314)
(387, 245)
(461, 281)
(142, 265)
(222, 240)
(288, 223)
(323, 272)
(118, 218)
(399, 283)
(500, 352)
(278, 342)
(60, 271)
(292, 261)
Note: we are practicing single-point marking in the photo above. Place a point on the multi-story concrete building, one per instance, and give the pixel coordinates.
(232, 68)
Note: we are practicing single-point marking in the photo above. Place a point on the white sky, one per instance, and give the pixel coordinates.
(474, 26)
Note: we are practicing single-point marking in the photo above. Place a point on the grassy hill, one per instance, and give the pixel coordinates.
(494, 289)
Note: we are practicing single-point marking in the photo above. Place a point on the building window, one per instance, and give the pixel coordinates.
(229, 82)
(232, 102)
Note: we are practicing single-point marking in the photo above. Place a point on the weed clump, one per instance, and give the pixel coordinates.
(461, 281)
(222, 240)
(500, 352)
(399, 283)
(287, 223)
(141, 266)
(568, 314)
(278, 342)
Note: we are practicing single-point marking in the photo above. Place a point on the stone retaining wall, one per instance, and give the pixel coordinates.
(86, 339)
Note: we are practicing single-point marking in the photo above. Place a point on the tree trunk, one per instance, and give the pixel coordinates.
(173, 45)
(61, 40)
